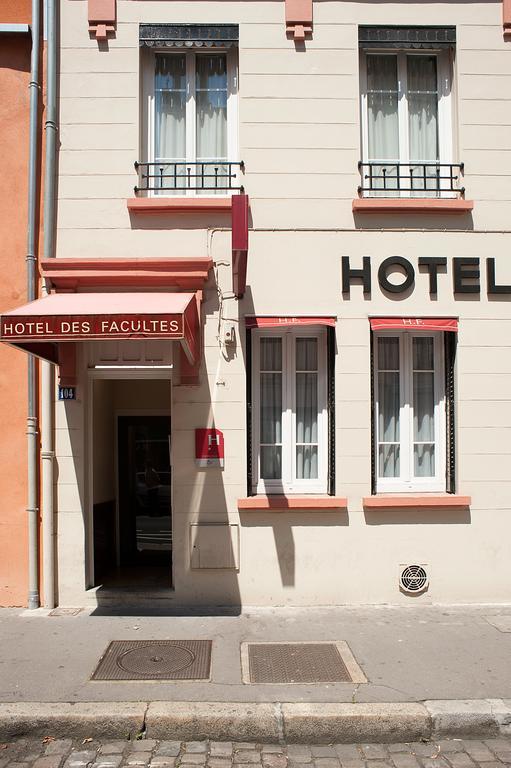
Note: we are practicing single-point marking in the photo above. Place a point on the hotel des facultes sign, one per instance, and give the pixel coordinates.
(65, 328)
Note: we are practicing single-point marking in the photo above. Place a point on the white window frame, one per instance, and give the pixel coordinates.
(407, 482)
(445, 110)
(289, 483)
(148, 132)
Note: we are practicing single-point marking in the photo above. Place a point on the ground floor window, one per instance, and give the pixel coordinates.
(410, 413)
(289, 422)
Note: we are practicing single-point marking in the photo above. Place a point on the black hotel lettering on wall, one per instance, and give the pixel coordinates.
(466, 275)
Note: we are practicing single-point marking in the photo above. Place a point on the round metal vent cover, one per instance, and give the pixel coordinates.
(155, 659)
(413, 579)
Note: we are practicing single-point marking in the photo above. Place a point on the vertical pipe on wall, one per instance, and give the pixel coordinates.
(47, 371)
(32, 427)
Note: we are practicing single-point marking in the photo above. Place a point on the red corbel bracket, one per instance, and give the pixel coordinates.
(239, 243)
(189, 370)
(298, 19)
(506, 18)
(102, 16)
(67, 364)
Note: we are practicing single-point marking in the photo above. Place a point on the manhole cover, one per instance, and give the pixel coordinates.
(300, 663)
(155, 660)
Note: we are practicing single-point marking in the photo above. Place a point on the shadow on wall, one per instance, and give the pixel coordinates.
(422, 222)
(282, 524)
(426, 516)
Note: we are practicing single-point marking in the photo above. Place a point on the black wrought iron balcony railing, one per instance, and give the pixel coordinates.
(380, 178)
(207, 177)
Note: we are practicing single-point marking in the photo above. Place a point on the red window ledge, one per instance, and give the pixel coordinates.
(411, 205)
(283, 503)
(409, 501)
(179, 204)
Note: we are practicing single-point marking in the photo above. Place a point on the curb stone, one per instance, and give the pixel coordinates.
(474, 718)
(352, 723)
(64, 720)
(267, 723)
(194, 721)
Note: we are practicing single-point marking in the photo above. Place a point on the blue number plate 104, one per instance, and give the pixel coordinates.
(67, 393)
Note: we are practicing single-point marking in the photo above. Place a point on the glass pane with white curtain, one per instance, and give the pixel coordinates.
(389, 404)
(306, 408)
(270, 425)
(169, 122)
(423, 406)
(422, 97)
(382, 119)
(211, 120)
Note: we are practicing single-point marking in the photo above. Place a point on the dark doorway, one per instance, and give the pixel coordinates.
(144, 498)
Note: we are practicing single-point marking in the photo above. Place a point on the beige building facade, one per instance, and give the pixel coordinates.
(360, 381)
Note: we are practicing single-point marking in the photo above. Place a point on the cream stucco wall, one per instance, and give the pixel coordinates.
(300, 139)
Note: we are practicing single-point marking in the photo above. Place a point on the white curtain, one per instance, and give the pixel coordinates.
(211, 105)
(423, 119)
(389, 400)
(423, 407)
(382, 118)
(271, 408)
(306, 409)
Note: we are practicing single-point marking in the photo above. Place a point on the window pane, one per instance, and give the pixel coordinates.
(423, 347)
(388, 353)
(271, 462)
(382, 119)
(271, 408)
(271, 354)
(389, 404)
(211, 97)
(388, 463)
(170, 102)
(423, 408)
(388, 407)
(306, 408)
(423, 121)
(306, 354)
(169, 122)
(306, 462)
(424, 460)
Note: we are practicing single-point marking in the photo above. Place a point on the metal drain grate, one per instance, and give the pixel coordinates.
(155, 660)
(300, 663)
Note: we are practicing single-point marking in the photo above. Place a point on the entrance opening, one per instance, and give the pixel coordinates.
(132, 504)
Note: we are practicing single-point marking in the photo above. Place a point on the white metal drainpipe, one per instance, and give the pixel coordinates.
(32, 494)
(47, 369)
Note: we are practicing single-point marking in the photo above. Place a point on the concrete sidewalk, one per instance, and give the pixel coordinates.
(431, 659)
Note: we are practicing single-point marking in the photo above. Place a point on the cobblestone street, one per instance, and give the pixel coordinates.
(148, 753)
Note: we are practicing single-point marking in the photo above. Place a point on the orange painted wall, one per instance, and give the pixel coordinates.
(14, 123)
(15, 11)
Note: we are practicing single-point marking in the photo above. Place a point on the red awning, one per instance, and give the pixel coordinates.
(69, 317)
(277, 322)
(414, 324)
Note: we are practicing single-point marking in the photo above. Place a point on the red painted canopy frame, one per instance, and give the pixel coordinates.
(414, 324)
(283, 322)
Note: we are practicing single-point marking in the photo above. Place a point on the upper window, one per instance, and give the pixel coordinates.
(290, 424)
(409, 411)
(406, 122)
(191, 121)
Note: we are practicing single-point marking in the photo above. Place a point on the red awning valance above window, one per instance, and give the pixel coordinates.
(414, 324)
(283, 322)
